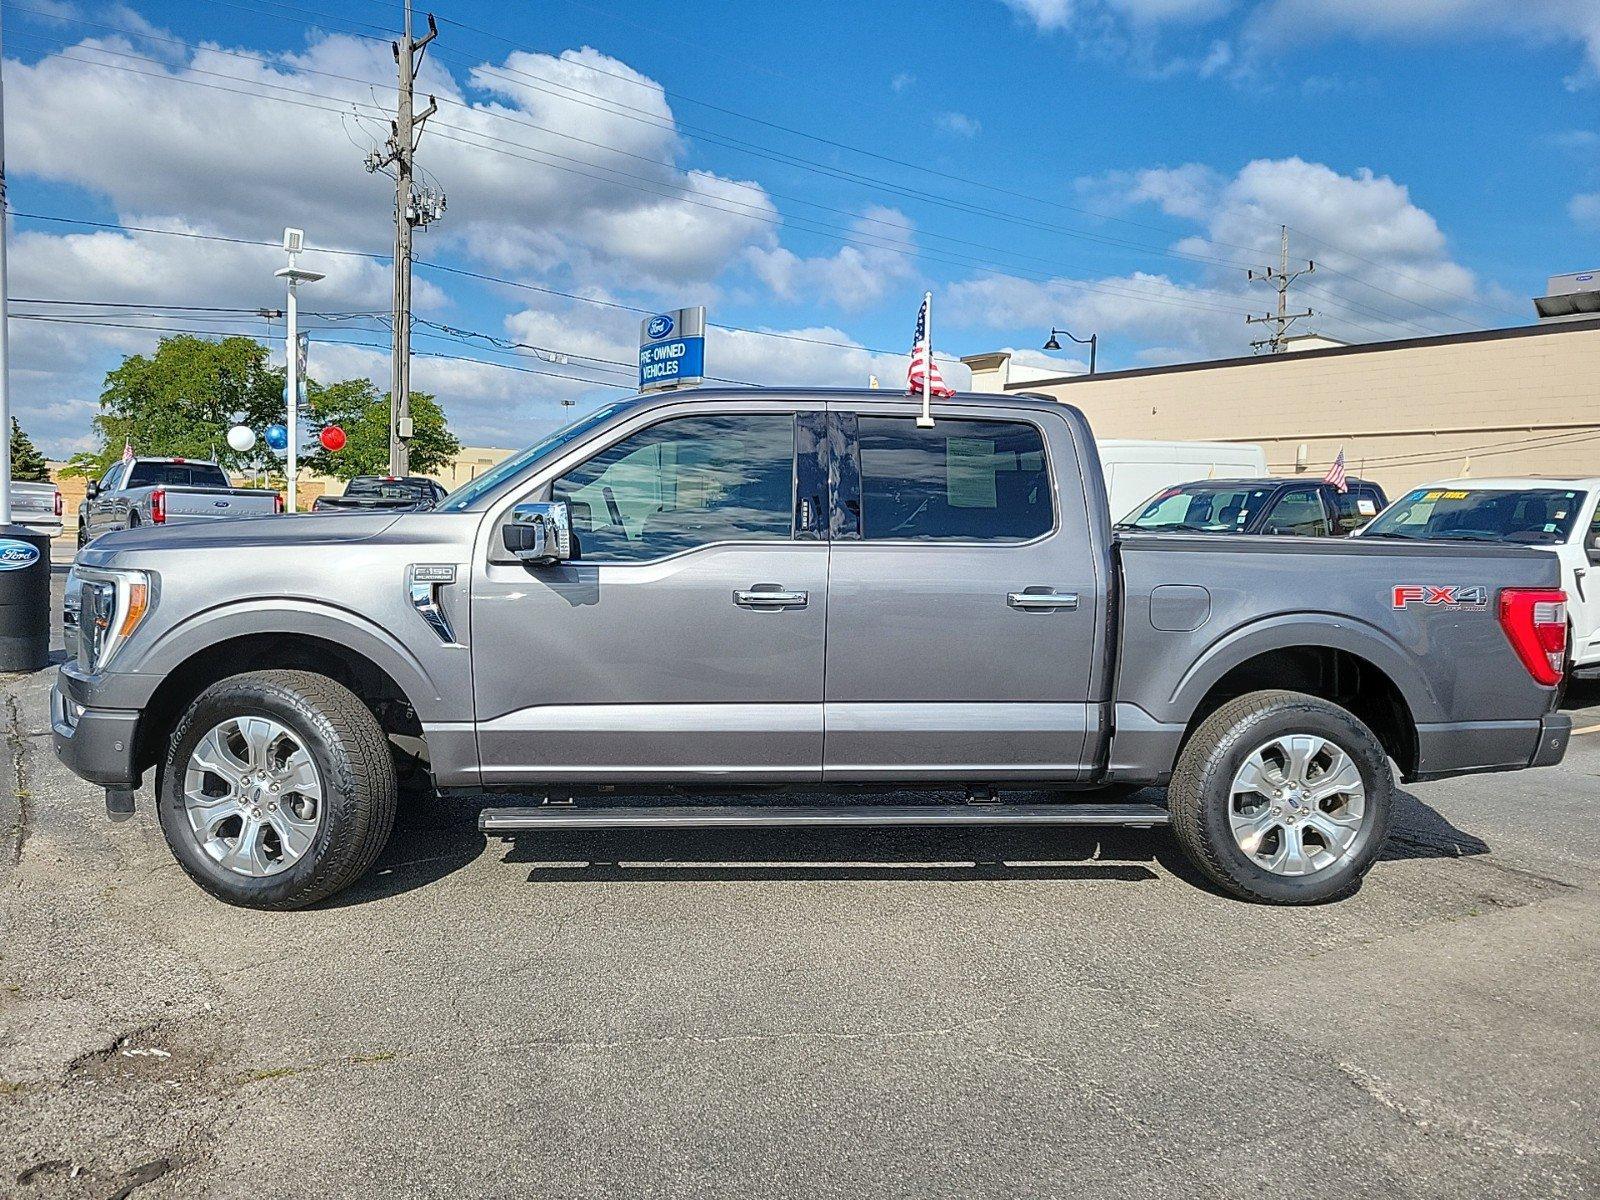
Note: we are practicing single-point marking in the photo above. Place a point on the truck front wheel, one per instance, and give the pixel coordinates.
(1282, 798)
(278, 789)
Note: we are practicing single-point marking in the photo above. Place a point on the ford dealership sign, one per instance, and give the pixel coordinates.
(672, 349)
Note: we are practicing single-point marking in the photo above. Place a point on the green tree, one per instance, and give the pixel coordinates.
(182, 399)
(357, 407)
(27, 464)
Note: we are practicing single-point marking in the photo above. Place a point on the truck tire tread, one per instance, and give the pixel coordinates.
(363, 779)
(1198, 773)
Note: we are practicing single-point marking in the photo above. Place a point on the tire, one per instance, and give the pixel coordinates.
(82, 540)
(353, 770)
(1201, 800)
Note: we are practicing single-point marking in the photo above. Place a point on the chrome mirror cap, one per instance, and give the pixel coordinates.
(539, 532)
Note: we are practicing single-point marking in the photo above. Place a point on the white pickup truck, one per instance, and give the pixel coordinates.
(1560, 515)
(162, 491)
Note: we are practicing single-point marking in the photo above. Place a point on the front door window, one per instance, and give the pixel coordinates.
(689, 482)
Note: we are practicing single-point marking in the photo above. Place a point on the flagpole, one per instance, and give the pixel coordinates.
(925, 421)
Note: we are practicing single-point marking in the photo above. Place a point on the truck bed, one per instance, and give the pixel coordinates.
(1196, 608)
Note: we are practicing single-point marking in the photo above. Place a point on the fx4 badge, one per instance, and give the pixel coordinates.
(1429, 596)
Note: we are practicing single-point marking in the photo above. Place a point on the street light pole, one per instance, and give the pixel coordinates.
(293, 243)
(1092, 341)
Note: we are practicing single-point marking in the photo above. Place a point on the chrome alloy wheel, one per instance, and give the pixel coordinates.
(253, 796)
(1297, 804)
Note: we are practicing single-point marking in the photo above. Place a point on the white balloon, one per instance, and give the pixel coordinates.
(241, 438)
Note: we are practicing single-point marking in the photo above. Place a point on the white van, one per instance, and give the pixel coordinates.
(1136, 470)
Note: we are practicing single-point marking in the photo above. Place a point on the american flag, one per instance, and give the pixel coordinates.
(127, 450)
(1335, 474)
(922, 360)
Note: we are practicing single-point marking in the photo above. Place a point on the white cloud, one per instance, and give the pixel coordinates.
(853, 277)
(573, 161)
(1046, 15)
(1367, 226)
(1052, 15)
(959, 124)
(1584, 208)
(1531, 20)
(902, 81)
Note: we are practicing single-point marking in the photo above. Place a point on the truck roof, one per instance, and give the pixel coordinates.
(1514, 484)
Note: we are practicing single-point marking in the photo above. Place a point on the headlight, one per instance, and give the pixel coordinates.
(108, 605)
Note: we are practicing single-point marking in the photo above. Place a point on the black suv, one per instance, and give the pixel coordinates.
(1295, 507)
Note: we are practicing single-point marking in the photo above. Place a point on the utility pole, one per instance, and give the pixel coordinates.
(5, 324)
(1279, 277)
(413, 208)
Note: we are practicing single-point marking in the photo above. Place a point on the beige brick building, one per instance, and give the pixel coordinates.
(1521, 401)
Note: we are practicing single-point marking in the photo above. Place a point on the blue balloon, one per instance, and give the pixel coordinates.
(277, 437)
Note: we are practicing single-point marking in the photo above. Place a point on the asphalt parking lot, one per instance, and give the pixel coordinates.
(803, 1013)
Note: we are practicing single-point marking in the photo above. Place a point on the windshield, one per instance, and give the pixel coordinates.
(1538, 516)
(517, 463)
(1199, 508)
(389, 489)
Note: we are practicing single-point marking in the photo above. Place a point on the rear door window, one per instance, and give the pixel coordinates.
(1353, 509)
(966, 480)
(1297, 513)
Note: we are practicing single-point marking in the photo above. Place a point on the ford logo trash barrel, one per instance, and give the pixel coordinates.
(24, 599)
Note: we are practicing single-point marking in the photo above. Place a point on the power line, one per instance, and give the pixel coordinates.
(673, 191)
(486, 362)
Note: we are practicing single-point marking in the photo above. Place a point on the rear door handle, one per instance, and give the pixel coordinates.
(1033, 600)
(770, 598)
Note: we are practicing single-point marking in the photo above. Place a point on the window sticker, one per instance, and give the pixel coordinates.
(1453, 495)
(1365, 507)
(970, 473)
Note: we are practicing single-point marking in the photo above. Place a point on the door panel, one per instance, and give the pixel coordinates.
(701, 665)
(935, 669)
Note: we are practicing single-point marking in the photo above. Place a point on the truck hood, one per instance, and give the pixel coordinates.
(324, 529)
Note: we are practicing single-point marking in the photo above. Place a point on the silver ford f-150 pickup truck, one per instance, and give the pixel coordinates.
(746, 588)
(166, 491)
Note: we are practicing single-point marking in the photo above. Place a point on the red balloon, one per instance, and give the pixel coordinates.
(332, 438)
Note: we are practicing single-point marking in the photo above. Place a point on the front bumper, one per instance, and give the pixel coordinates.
(96, 744)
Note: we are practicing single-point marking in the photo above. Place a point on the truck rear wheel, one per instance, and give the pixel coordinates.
(1282, 798)
(278, 789)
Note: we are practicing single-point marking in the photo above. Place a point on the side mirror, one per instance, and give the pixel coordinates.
(539, 533)
(92, 490)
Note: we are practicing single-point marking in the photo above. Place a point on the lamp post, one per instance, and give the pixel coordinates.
(1092, 341)
(293, 243)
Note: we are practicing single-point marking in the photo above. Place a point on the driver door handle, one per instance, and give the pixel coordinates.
(1031, 600)
(770, 598)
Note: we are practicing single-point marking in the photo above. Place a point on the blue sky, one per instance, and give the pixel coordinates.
(1106, 165)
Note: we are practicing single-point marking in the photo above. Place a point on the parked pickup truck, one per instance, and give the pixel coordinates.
(1560, 515)
(752, 589)
(166, 491)
(412, 493)
(38, 506)
(1287, 507)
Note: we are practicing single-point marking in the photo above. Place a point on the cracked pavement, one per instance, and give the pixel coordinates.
(805, 1013)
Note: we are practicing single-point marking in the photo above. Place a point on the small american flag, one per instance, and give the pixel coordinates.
(127, 450)
(922, 361)
(1335, 473)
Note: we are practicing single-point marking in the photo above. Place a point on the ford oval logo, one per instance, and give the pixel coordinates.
(659, 327)
(220, 503)
(15, 555)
